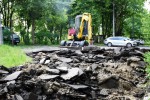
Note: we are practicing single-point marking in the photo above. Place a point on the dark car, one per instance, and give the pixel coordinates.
(9, 36)
(15, 39)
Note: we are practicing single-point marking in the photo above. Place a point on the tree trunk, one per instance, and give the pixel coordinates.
(8, 14)
(61, 28)
(33, 31)
(1, 34)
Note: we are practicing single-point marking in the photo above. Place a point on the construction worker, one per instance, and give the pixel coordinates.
(72, 32)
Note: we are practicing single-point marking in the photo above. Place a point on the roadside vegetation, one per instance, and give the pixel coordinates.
(147, 59)
(12, 56)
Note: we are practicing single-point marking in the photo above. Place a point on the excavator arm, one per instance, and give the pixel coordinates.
(85, 30)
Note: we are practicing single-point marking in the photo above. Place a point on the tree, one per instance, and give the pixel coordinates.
(145, 25)
(102, 12)
(7, 10)
(32, 11)
(1, 34)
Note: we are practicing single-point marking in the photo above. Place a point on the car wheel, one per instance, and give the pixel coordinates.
(129, 45)
(109, 44)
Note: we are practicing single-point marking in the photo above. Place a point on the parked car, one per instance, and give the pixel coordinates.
(15, 39)
(9, 36)
(119, 41)
(139, 41)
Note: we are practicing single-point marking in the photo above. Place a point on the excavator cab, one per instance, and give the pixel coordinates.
(83, 31)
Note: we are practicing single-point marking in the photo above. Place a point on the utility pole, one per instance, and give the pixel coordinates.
(113, 19)
(1, 33)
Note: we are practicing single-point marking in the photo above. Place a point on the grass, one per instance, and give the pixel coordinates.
(33, 46)
(12, 56)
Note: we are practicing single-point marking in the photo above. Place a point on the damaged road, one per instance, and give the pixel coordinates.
(99, 74)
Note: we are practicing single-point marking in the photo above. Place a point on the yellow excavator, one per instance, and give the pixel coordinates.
(83, 32)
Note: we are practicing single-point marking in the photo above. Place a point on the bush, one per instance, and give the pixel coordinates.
(6, 34)
(45, 37)
(147, 59)
(26, 39)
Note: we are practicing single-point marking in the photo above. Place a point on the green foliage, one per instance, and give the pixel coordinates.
(132, 27)
(26, 39)
(49, 19)
(42, 37)
(147, 59)
(45, 37)
(12, 56)
(6, 34)
(145, 26)
(102, 13)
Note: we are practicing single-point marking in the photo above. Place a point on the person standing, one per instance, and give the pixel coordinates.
(72, 32)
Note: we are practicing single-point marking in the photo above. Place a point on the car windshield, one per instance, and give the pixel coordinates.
(127, 38)
(15, 36)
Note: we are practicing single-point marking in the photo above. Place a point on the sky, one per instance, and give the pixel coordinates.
(147, 5)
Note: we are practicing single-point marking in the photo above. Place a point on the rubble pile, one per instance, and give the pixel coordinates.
(100, 74)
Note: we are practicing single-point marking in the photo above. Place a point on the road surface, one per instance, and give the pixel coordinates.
(54, 48)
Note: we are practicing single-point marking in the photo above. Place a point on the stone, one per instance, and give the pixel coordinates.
(58, 62)
(108, 82)
(104, 92)
(47, 77)
(53, 71)
(134, 59)
(78, 86)
(47, 62)
(88, 68)
(78, 52)
(3, 91)
(100, 57)
(30, 96)
(3, 72)
(67, 60)
(13, 76)
(42, 60)
(63, 69)
(139, 93)
(11, 82)
(93, 93)
(64, 64)
(73, 72)
(94, 66)
(147, 96)
(18, 97)
(117, 50)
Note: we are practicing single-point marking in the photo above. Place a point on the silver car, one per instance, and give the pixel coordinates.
(119, 41)
(139, 41)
